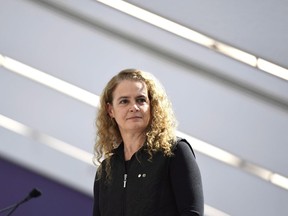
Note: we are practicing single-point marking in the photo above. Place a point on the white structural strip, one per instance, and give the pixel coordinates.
(50, 141)
(197, 37)
(50, 81)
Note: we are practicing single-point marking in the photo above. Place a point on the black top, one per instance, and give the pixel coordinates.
(179, 183)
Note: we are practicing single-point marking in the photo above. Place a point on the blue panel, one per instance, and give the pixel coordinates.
(57, 199)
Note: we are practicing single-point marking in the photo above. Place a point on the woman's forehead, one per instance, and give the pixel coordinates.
(129, 88)
(130, 85)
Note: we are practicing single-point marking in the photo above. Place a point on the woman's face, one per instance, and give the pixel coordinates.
(130, 106)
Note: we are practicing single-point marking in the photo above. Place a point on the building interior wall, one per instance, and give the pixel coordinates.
(217, 100)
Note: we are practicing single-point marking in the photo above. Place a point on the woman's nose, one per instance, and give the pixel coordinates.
(134, 107)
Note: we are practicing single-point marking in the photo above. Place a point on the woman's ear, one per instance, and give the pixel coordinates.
(109, 109)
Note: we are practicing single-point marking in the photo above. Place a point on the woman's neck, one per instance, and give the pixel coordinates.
(132, 143)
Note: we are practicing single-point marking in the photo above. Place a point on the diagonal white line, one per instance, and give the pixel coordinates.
(197, 37)
(48, 80)
(50, 141)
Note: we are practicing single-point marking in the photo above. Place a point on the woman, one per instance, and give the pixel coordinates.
(146, 170)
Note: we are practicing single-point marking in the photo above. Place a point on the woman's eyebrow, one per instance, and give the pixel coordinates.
(122, 97)
(127, 97)
(141, 96)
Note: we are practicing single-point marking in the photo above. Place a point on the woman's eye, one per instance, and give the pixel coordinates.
(123, 101)
(141, 100)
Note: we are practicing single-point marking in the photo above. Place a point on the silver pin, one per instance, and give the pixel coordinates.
(125, 180)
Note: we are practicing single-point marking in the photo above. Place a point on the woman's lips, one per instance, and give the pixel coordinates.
(134, 117)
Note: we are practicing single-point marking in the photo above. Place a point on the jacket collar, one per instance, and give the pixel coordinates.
(119, 151)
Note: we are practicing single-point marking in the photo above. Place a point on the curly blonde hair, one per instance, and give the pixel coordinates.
(160, 133)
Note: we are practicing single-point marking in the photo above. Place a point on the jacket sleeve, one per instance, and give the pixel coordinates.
(186, 181)
(96, 210)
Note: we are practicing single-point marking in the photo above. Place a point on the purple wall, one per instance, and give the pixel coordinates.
(57, 199)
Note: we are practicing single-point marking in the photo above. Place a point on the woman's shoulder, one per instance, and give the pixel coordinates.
(182, 145)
